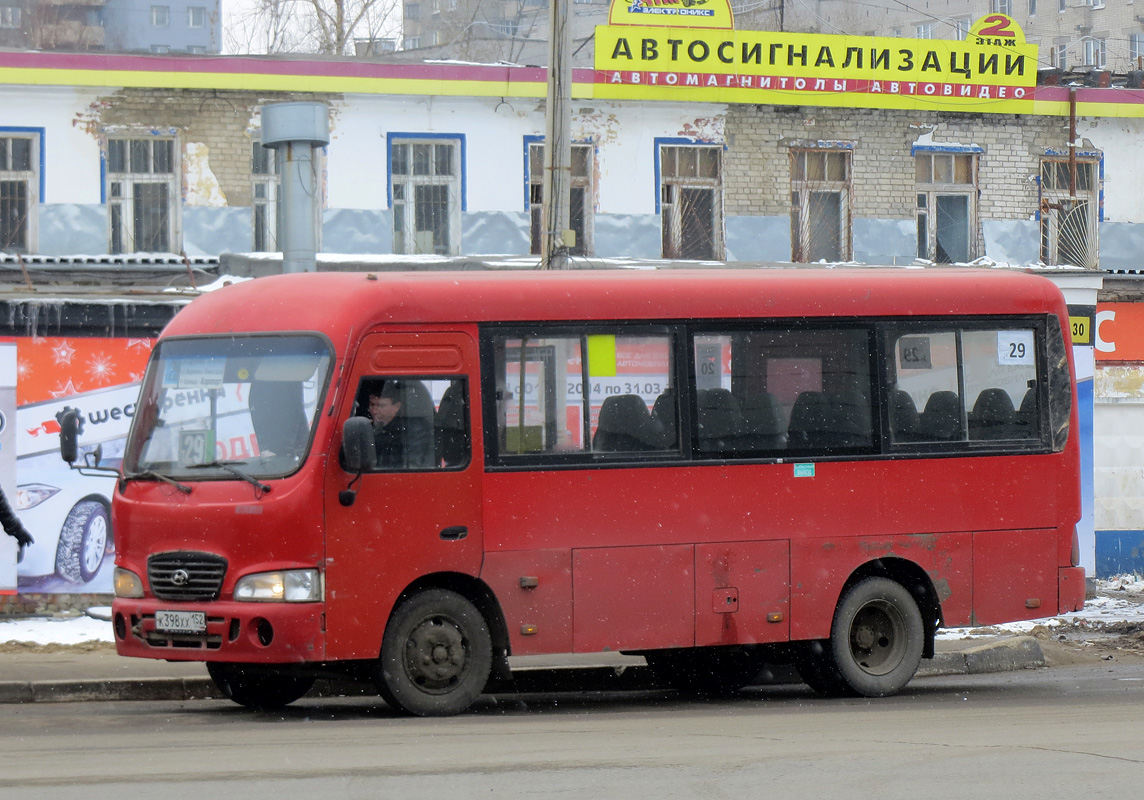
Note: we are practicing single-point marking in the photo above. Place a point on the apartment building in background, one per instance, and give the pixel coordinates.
(127, 26)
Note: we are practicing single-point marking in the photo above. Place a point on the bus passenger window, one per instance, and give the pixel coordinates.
(777, 388)
(966, 385)
(593, 392)
(419, 422)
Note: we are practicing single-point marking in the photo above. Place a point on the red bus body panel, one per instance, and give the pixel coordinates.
(618, 558)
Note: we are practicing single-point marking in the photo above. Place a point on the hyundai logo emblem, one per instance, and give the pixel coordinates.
(180, 577)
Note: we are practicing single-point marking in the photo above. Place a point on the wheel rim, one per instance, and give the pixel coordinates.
(95, 543)
(436, 654)
(878, 637)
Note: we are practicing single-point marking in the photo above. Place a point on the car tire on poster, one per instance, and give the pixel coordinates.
(85, 539)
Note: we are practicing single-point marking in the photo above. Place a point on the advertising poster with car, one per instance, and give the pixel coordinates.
(68, 511)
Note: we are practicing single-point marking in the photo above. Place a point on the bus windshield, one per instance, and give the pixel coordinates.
(209, 404)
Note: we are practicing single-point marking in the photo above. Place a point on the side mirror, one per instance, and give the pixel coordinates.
(358, 452)
(70, 425)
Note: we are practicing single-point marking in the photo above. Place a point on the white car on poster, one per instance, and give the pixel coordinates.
(67, 511)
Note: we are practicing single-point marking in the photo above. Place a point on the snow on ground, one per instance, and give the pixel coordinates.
(1119, 599)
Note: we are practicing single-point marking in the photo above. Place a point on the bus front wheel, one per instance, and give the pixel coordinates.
(436, 655)
(258, 687)
(875, 643)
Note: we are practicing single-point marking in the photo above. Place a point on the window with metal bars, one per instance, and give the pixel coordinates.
(19, 183)
(142, 195)
(946, 186)
(581, 196)
(691, 201)
(264, 198)
(1069, 211)
(426, 186)
(820, 204)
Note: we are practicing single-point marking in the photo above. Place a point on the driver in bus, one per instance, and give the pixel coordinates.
(402, 439)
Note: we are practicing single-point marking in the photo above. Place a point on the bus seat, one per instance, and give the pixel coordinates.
(808, 421)
(763, 421)
(720, 420)
(663, 412)
(1028, 416)
(625, 425)
(993, 416)
(904, 420)
(849, 421)
(278, 417)
(941, 418)
(452, 443)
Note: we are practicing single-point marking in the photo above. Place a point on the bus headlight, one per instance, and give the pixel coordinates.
(285, 586)
(127, 583)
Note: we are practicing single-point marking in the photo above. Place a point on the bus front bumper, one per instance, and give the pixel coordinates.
(251, 633)
(1070, 589)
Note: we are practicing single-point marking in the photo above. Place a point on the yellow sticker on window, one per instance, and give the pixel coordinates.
(602, 356)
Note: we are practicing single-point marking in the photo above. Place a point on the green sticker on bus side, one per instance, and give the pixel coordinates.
(804, 470)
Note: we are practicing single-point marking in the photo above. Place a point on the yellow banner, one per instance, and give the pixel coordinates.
(993, 65)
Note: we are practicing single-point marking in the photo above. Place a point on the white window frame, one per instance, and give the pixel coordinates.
(674, 182)
(11, 17)
(403, 191)
(1096, 52)
(534, 187)
(1057, 205)
(924, 30)
(160, 16)
(1135, 49)
(30, 178)
(803, 190)
(928, 192)
(1001, 7)
(196, 16)
(120, 190)
(961, 28)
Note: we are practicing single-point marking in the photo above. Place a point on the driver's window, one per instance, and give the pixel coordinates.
(419, 422)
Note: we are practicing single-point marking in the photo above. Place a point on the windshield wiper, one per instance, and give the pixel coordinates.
(158, 476)
(230, 467)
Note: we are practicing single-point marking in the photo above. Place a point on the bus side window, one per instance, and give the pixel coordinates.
(419, 422)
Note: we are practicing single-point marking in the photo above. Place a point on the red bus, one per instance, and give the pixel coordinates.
(715, 470)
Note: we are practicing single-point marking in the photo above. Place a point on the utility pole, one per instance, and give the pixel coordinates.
(554, 215)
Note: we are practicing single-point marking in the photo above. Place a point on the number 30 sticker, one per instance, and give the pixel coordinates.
(1015, 347)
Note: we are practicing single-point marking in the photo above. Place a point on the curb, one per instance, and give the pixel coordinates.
(1003, 655)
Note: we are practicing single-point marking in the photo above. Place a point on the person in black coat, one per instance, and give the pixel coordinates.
(12, 525)
(401, 441)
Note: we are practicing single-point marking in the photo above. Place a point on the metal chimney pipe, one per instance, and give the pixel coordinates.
(294, 131)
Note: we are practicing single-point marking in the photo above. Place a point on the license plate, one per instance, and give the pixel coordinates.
(181, 621)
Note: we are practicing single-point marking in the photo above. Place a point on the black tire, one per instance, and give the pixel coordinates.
(436, 655)
(876, 639)
(707, 670)
(815, 665)
(84, 541)
(258, 687)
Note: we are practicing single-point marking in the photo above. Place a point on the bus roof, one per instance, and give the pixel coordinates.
(333, 303)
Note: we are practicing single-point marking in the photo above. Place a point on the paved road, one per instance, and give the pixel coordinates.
(1064, 732)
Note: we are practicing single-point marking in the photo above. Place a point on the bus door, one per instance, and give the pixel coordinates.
(419, 510)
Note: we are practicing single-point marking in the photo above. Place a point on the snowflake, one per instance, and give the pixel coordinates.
(101, 368)
(23, 368)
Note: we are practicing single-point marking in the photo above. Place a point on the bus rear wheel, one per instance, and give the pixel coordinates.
(258, 687)
(875, 643)
(436, 655)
